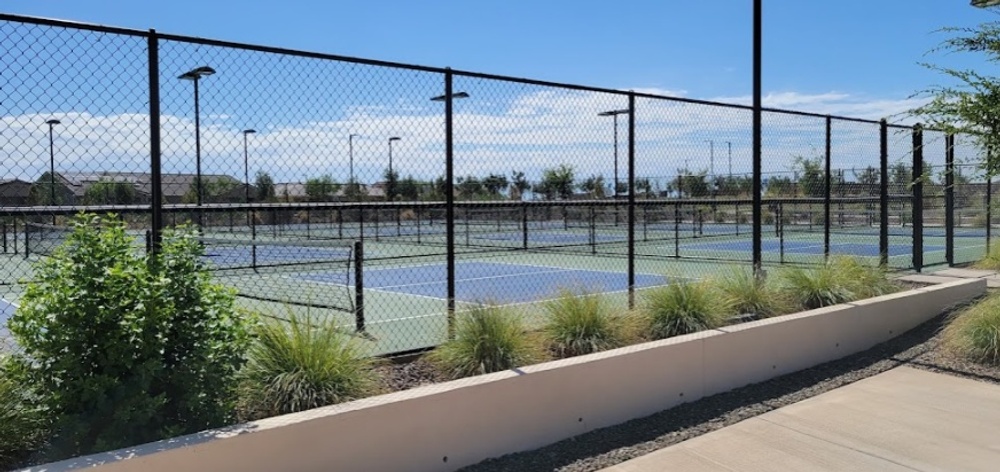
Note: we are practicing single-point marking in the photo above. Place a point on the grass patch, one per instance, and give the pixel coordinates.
(742, 293)
(974, 333)
(301, 364)
(991, 261)
(488, 339)
(681, 307)
(583, 323)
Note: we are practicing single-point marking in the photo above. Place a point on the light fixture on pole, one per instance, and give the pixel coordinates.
(195, 75)
(52, 165)
(391, 180)
(614, 114)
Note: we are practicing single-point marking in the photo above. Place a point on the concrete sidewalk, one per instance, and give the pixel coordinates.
(901, 420)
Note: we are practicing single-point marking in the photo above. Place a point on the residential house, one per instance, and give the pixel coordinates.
(14, 192)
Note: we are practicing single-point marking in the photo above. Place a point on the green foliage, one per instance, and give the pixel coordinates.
(992, 259)
(391, 178)
(594, 185)
(487, 339)
(901, 174)
(321, 189)
(43, 192)
(409, 188)
(840, 280)
(693, 184)
(127, 349)
(644, 187)
(780, 186)
(214, 189)
(109, 192)
(812, 180)
(23, 423)
(974, 333)
(470, 188)
(557, 183)
(581, 324)
(972, 106)
(264, 187)
(743, 293)
(518, 185)
(301, 364)
(495, 185)
(681, 307)
(868, 177)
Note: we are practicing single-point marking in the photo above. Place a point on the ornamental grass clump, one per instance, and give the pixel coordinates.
(681, 307)
(302, 363)
(974, 333)
(744, 294)
(582, 323)
(839, 280)
(487, 339)
(991, 261)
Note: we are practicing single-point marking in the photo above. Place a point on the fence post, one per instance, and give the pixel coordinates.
(883, 226)
(828, 189)
(989, 201)
(155, 180)
(917, 220)
(631, 200)
(359, 284)
(449, 197)
(949, 199)
(757, 141)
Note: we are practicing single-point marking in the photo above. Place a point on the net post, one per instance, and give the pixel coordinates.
(677, 229)
(827, 188)
(917, 218)
(593, 230)
(883, 225)
(27, 238)
(14, 234)
(631, 200)
(417, 212)
(780, 222)
(3, 227)
(359, 286)
(949, 199)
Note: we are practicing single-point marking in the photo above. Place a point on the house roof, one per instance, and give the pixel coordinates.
(174, 185)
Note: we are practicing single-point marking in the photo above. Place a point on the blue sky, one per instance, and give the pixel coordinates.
(849, 57)
(700, 48)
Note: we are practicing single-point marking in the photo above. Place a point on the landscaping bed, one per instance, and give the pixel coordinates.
(919, 348)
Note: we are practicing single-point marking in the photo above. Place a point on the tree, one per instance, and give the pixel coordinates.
(470, 187)
(409, 188)
(41, 192)
(391, 178)
(868, 178)
(321, 189)
(264, 187)
(495, 184)
(518, 185)
(813, 178)
(594, 185)
(644, 187)
(973, 106)
(109, 192)
(557, 182)
(693, 185)
(354, 191)
(780, 186)
(213, 190)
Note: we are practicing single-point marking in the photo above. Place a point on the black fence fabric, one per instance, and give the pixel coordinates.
(391, 196)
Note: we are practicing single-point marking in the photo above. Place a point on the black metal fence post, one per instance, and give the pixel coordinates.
(883, 194)
(757, 143)
(827, 190)
(949, 199)
(918, 198)
(449, 197)
(631, 200)
(155, 178)
(359, 284)
(989, 202)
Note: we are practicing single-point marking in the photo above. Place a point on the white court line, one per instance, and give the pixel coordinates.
(473, 279)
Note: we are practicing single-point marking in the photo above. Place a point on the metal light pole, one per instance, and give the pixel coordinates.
(52, 165)
(614, 114)
(729, 144)
(246, 165)
(195, 75)
(711, 157)
(391, 181)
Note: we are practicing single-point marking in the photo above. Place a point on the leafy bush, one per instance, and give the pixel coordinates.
(487, 339)
(681, 307)
(743, 293)
(974, 333)
(301, 364)
(127, 348)
(581, 324)
(23, 424)
(839, 280)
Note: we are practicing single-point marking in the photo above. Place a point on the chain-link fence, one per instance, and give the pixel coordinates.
(391, 197)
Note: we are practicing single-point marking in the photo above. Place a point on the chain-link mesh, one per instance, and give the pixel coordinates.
(320, 184)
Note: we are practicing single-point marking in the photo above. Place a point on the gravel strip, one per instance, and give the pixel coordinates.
(918, 348)
(394, 377)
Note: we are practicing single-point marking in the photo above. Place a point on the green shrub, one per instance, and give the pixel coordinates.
(128, 348)
(974, 333)
(581, 324)
(487, 339)
(742, 293)
(23, 423)
(300, 364)
(681, 307)
(992, 259)
(839, 280)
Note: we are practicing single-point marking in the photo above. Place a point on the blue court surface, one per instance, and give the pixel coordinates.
(492, 282)
(807, 247)
(550, 237)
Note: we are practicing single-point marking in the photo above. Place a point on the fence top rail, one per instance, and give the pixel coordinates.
(400, 65)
